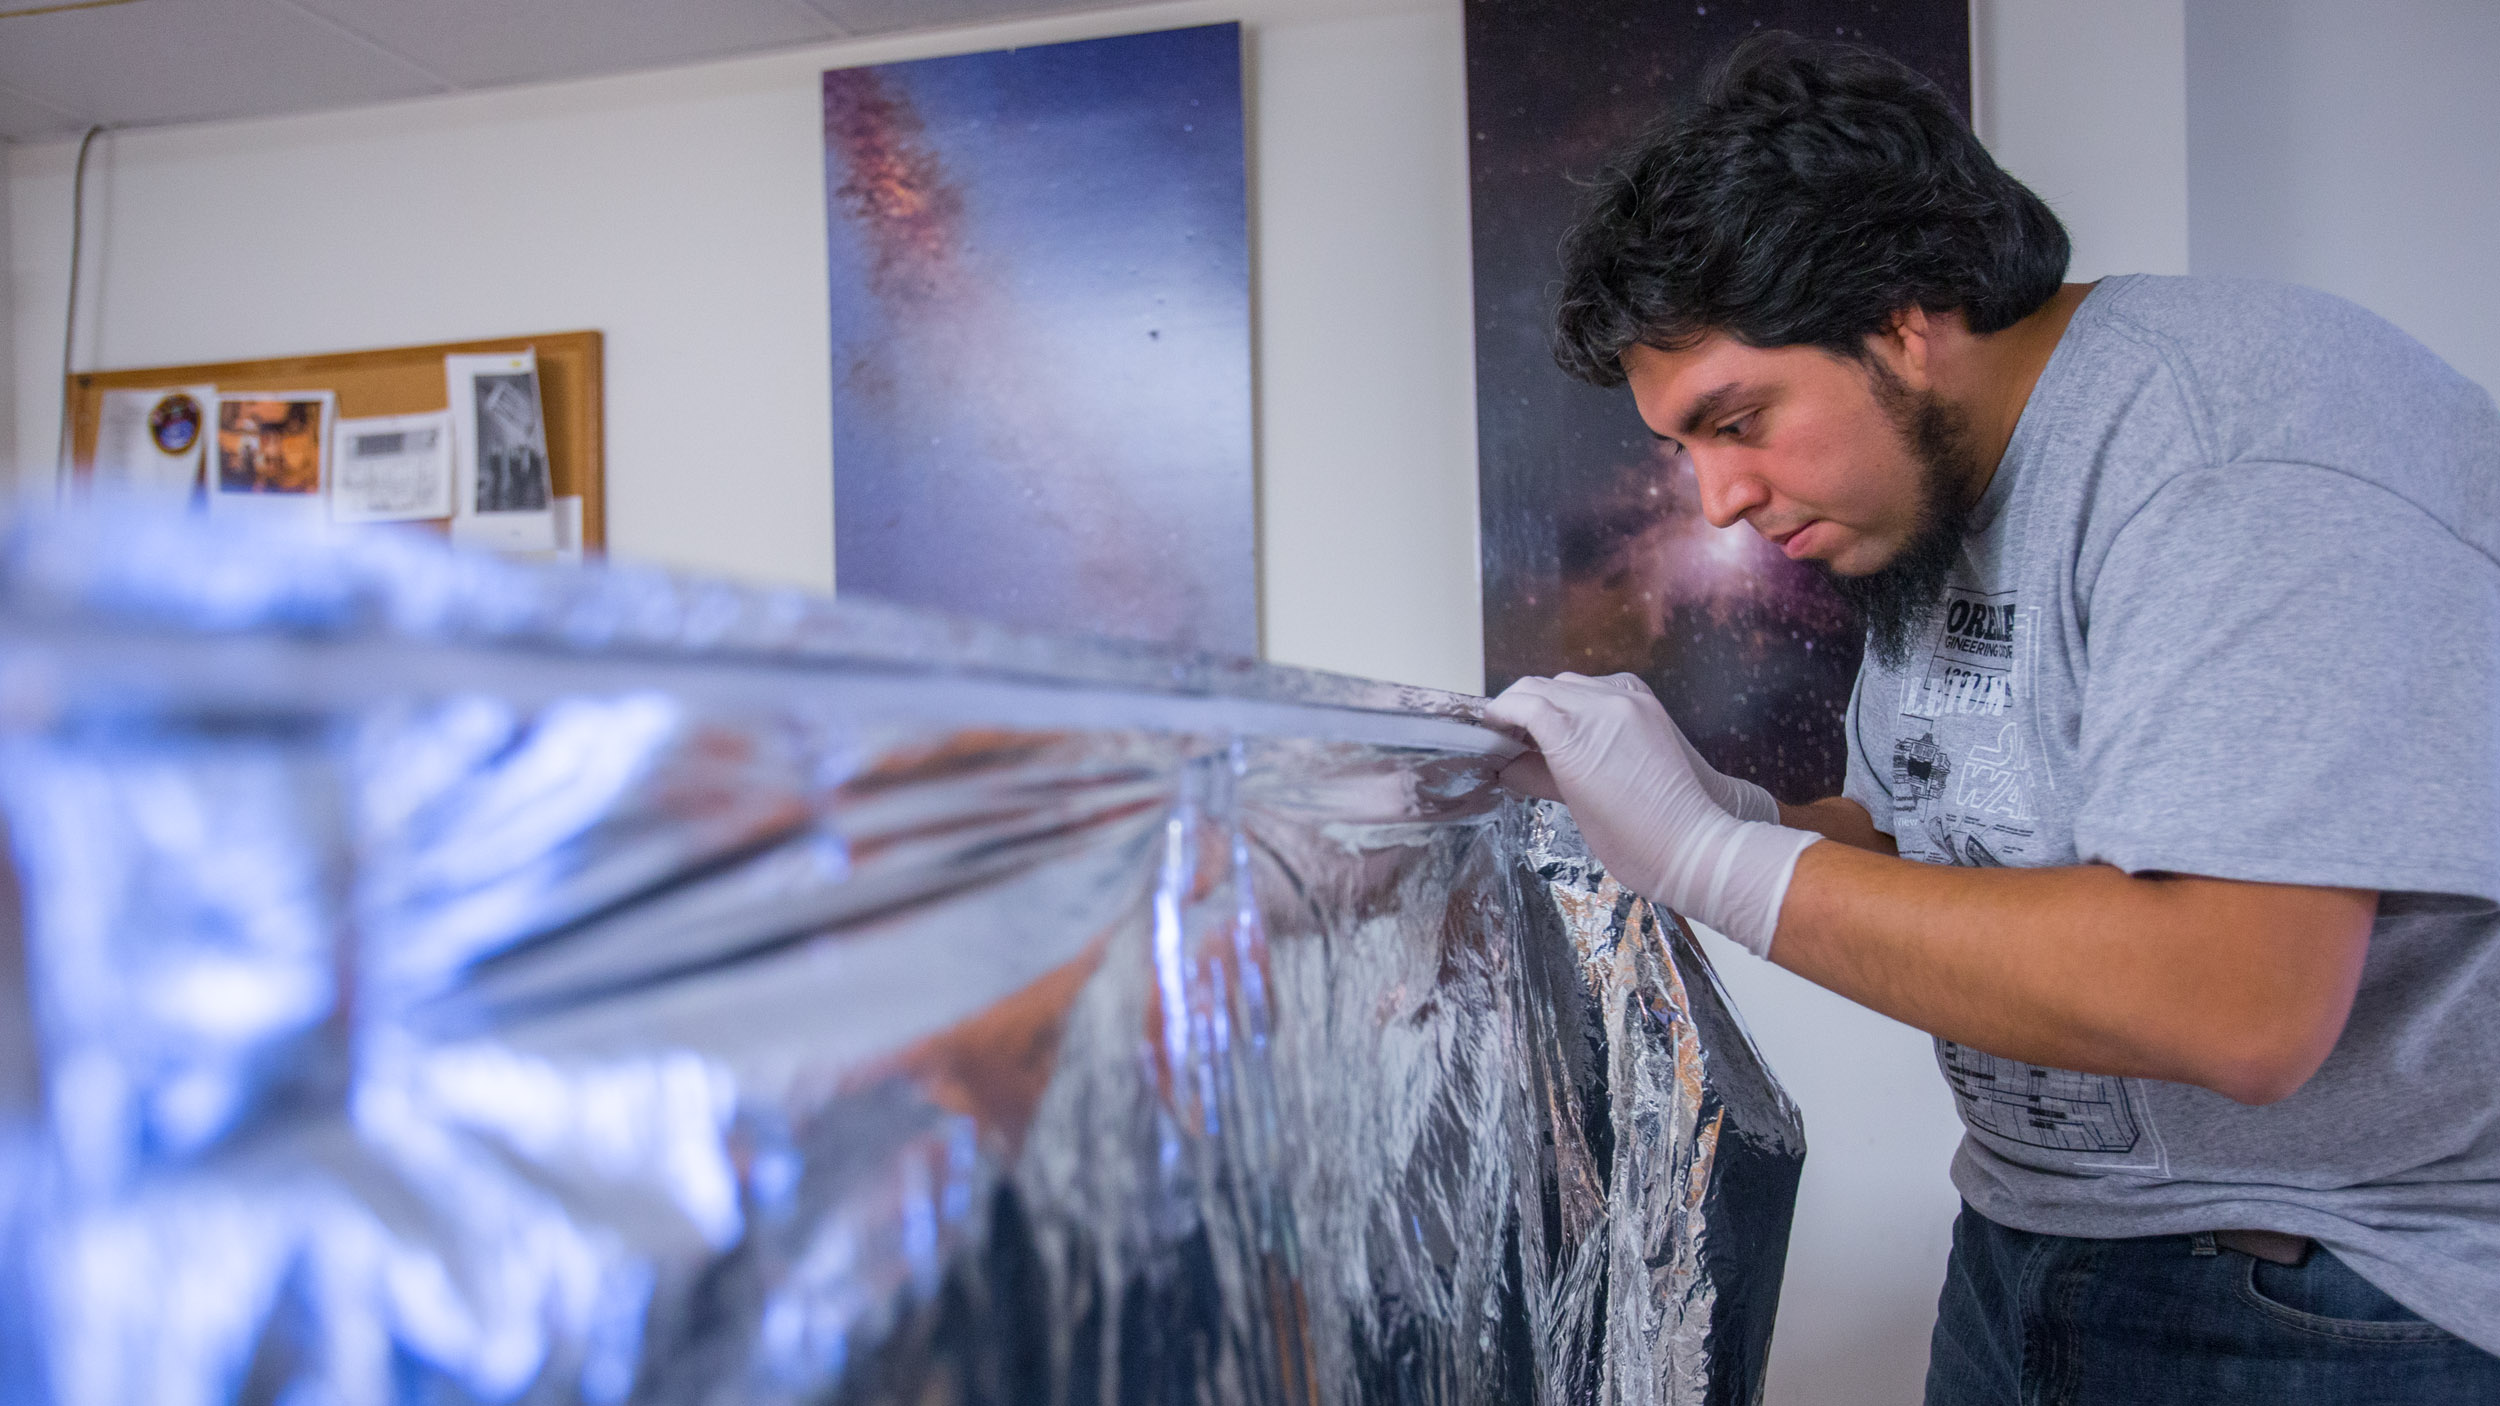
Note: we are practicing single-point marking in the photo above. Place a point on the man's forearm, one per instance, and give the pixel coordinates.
(2240, 988)
(1838, 818)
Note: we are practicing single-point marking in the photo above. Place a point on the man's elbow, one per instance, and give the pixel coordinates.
(2259, 1083)
(2261, 1026)
(2265, 1065)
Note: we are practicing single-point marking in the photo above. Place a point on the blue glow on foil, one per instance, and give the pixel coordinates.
(437, 980)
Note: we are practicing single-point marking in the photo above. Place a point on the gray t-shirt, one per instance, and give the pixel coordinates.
(2231, 607)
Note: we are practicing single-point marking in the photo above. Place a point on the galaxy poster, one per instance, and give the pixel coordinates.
(1040, 288)
(1595, 555)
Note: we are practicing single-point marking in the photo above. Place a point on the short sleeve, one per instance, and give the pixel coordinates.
(1860, 781)
(2294, 677)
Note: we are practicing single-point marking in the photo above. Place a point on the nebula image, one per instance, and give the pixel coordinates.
(894, 188)
(1752, 654)
(1595, 555)
(1040, 314)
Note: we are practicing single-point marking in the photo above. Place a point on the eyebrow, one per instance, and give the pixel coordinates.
(1708, 407)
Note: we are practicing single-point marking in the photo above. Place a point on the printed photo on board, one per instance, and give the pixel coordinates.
(393, 468)
(511, 444)
(270, 445)
(506, 493)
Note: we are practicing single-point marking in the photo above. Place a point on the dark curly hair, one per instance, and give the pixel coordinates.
(1811, 191)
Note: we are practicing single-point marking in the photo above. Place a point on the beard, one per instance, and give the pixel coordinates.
(1895, 600)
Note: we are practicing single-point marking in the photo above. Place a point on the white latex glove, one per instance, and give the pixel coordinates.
(1529, 775)
(1644, 802)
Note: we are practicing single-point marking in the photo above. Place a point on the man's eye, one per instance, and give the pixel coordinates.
(1737, 428)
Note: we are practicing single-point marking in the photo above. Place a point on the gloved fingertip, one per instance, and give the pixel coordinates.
(1514, 710)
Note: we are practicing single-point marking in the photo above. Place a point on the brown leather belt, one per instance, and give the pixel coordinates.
(2272, 1246)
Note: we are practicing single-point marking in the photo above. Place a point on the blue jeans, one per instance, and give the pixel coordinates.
(2046, 1320)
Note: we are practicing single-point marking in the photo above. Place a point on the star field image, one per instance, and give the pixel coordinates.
(1038, 271)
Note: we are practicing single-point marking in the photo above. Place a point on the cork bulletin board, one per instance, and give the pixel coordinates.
(400, 381)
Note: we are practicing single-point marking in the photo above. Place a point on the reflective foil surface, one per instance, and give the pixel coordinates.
(439, 980)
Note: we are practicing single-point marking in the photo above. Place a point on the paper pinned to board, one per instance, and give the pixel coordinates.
(148, 442)
(268, 453)
(568, 548)
(393, 468)
(569, 529)
(506, 493)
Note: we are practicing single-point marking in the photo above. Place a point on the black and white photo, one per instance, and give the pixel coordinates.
(506, 489)
(511, 444)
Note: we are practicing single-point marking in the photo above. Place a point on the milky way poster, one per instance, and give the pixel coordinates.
(1041, 336)
(1595, 554)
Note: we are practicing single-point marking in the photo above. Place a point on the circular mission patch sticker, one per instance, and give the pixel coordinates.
(175, 423)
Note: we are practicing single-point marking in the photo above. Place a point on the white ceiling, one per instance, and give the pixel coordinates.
(66, 65)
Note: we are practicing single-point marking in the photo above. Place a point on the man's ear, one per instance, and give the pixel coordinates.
(1907, 347)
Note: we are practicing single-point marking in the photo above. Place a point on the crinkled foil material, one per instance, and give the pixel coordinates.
(439, 980)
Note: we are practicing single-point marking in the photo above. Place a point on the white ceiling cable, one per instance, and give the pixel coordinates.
(69, 320)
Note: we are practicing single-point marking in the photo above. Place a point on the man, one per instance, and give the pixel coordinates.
(2173, 799)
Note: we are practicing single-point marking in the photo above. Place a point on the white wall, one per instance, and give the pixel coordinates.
(2087, 104)
(2354, 148)
(681, 212)
(9, 333)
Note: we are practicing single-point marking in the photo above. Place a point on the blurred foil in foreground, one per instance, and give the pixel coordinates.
(448, 981)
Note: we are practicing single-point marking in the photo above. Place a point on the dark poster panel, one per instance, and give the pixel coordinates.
(1596, 557)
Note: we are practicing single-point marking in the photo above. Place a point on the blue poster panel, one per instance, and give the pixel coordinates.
(1040, 300)
(1596, 557)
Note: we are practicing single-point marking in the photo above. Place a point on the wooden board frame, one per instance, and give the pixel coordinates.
(402, 381)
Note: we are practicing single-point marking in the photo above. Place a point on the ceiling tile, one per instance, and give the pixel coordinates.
(155, 61)
(895, 16)
(181, 60)
(476, 43)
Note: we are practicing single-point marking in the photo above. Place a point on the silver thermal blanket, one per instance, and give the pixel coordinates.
(436, 980)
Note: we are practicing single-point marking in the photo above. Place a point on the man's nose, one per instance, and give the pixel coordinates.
(1726, 493)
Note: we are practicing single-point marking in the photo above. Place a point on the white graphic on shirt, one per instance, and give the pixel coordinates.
(1996, 779)
(1972, 667)
(1919, 772)
(2039, 1106)
(1966, 771)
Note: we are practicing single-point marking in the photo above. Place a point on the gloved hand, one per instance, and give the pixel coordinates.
(1528, 775)
(1646, 805)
